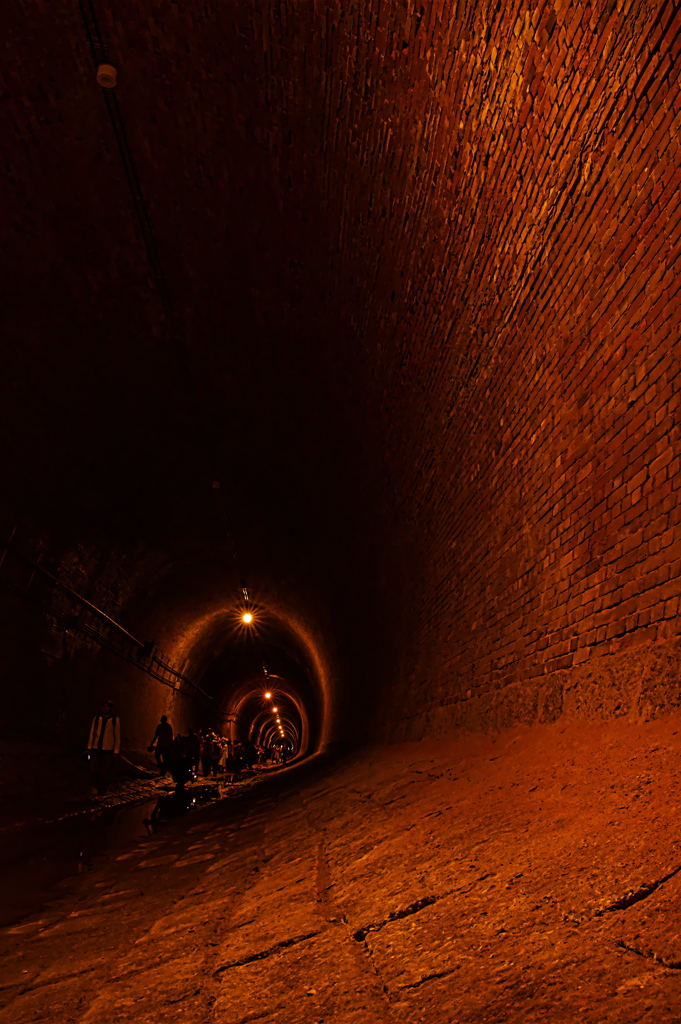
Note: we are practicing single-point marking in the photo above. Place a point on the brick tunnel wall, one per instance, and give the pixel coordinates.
(503, 184)
(427, 253)
(534, 349)
(499, 188)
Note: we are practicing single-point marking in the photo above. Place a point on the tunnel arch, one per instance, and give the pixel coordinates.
(403, 435)
(255, 712)
(235, 665)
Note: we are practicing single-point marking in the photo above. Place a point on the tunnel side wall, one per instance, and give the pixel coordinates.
(550, 573)
(534, 415)
(502, 214)
(441, 313)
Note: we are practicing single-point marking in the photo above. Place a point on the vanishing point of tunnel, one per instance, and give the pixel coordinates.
(340, 514)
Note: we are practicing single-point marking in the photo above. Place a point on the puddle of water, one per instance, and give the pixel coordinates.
(33, 860)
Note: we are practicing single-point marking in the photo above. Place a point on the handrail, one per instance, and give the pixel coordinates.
(144, 649)
(148, 646)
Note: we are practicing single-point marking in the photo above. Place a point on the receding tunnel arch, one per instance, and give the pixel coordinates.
(267, 708)
(237, 664)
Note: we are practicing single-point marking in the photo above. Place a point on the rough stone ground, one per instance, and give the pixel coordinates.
(535, 876)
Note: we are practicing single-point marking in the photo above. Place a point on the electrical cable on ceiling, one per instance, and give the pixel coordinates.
(248, 617)
(107, 78)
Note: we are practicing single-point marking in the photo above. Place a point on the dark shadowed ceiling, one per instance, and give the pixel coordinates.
(174, 298)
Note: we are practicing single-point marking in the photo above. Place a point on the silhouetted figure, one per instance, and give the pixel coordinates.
(162, 743)
(104, 744)
(237, 761)
(180, 761)
(194, 749)
(207, 754)
(250, 754)
(226, 759)
(216, 756)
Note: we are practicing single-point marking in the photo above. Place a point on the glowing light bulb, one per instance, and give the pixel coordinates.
(275, 710)
(247, 617)
(268, 696)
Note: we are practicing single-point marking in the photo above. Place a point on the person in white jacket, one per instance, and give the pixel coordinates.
(103, 745)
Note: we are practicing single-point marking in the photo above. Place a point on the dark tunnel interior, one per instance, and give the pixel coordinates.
(263, 682)
(339, 415)
(277, 334)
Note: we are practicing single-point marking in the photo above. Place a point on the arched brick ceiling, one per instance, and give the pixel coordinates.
(418, 253)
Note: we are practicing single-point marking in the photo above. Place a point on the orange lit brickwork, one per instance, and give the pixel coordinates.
(538, 330)
(497, 190)
(501, 190)
(425, 256)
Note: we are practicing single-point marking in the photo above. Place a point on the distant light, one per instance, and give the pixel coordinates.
(268, 696)
(274, 709)
(247, 617)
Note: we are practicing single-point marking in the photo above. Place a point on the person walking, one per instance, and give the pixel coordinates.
(180, 758)
(250, 754)
(238, 760)
(194, 748)
(161, 744)
(226, 755)
(217, 754)
(207, 754)
(104, 744)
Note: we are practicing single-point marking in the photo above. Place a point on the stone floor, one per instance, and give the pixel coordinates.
(535, 876)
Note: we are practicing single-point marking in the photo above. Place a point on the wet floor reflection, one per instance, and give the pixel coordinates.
(175, 804)
(36, 860)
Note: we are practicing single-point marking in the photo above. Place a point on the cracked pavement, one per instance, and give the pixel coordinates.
(531, 876)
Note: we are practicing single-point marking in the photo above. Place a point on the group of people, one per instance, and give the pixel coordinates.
(181, 755)
(208, 750)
